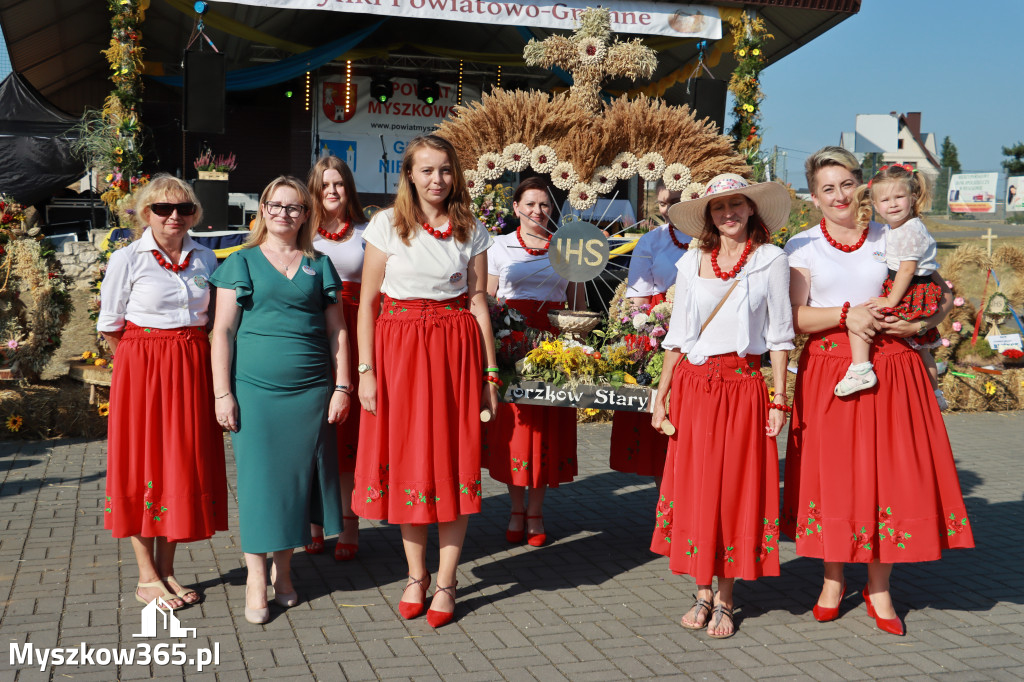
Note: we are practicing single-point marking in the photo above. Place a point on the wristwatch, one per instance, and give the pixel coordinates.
(363, 368)
(923, 329)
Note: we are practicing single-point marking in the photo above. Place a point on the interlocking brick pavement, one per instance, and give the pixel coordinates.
(595, 604)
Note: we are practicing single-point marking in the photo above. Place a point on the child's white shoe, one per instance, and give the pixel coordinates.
(858, 377)
(943, 405)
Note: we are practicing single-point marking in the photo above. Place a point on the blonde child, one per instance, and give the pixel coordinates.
(899, 193)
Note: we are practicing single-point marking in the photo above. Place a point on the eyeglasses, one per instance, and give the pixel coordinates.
(164, 210)
(291, 210)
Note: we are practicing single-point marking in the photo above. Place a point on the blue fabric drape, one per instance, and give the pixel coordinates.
(286, 69)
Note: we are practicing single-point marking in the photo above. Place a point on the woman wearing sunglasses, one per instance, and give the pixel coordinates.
(165, 452)
(281, 380)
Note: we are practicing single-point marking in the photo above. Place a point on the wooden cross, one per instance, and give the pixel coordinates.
(989, 237)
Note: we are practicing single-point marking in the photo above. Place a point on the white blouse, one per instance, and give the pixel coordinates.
(912, 241)
(756, 317)
(347, 256)
(837, 276)
(138, 289)
(426, 267)
(652, 264)
(522, 276)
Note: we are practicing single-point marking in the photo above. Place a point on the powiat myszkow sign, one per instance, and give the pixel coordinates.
(624, 398)
(649, 18)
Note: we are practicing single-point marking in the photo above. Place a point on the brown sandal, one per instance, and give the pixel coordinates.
(182, 591)
(700, 605)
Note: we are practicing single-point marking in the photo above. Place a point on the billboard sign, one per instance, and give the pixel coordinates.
(973, 192)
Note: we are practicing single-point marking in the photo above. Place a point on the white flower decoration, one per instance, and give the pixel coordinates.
(591, 50)
(582, 196)
(651, 166)
(625, 165)
(603, 179)
(692, 191)
(515, 157)
(489, 166)
(563, 175)
(474, 183)
(677, 177)
(543, 159)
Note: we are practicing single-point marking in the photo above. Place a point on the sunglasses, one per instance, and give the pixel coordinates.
(163, 210)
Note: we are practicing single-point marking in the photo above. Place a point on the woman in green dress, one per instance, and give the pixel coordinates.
(274, 346)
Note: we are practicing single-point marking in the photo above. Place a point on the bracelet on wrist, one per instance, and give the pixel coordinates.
(218, 397)
(842, 316)
(491, 379)
(781, 408)
(344, 388)
(491, 369)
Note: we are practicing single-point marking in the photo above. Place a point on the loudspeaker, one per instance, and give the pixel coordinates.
(707, 98)
(204, 92)
(213, 197)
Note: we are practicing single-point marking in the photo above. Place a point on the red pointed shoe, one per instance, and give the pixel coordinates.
(894, 626)
(536, 539)
(438, 618)
(824, 614)
(408, 609)
(514, 537)
(344, 551)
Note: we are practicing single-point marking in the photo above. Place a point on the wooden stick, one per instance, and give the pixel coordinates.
(485, 415)
(667, 428)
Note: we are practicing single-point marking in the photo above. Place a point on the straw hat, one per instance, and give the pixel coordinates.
(771, 198)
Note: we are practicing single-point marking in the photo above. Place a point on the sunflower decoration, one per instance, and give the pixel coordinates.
(103, 409)
(749, 35)
(14, 423)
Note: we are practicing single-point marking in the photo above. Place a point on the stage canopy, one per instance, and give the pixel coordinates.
(56, 44)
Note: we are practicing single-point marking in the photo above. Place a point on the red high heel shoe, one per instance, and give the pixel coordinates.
(316, 545)
(824, 614)
(894, 626)
(408, 609)
(515, 536)
(536, 539)
(344, 551)
(438, 618)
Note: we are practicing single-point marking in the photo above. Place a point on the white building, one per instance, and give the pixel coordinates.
(908, 146)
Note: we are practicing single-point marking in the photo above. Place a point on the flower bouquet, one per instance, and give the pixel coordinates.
(493, 206)
(212, 167)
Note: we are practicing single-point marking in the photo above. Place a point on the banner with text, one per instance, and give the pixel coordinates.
(1015, 193)
(356, 135)
(624, 398)
(973, 193)
(648, 18)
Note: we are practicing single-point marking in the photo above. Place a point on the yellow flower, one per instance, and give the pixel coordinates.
(103, 409)
(742, 53)
(100, 362)
(803, 224)
(628, 379)
(990, 388)
(591, 411)
(771, 394)
(756, 52)
(14, 422)
(87, 355)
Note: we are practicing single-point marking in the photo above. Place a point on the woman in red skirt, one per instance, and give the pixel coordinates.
(720, 494)
(869, 477)
(636, 448)
(529, 446)
(165, 452)
(425, 351)
(339, 221)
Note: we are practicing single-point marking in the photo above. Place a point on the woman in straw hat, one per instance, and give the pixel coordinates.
(870, 477)
(719, 494)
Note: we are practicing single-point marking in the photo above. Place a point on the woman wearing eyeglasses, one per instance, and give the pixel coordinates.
(165, 453)
(277, 343)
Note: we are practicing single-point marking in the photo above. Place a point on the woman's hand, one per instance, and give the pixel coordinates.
(368, 392)
(490, 398)
(894, 326)
(658, 415)
(227, 412)
(337, 412)
(864, 322)
(776, 420)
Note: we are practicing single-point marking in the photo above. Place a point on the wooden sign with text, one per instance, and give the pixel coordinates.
(627, 398)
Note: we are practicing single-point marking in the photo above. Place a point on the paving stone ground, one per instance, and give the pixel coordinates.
(595, 604)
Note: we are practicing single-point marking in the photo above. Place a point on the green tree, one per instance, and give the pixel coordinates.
(870, 165)
(949, 160)
(948, 155)
(1014, 164)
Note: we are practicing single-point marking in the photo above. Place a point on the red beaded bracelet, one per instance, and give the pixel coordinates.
(780, 407)
(491, 379)
(842, 316)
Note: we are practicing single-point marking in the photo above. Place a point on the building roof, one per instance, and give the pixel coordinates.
(56, 44)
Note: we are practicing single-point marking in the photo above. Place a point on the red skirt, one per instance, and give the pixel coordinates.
(165, 450)
(531, 445)
(717, 512)
(419, 456)
(636, 448)
(922, 299)
(870, 477)
(348, 430)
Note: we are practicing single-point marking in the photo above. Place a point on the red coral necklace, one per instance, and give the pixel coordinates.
(532, 252)
(335, 236)
(724, 276)
(171, 266)
(675, 239)
(438, 234)
(845, 248)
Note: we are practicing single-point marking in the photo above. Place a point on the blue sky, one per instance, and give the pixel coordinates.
(957, 63)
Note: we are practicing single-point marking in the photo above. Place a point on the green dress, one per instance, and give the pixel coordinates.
(282, 378)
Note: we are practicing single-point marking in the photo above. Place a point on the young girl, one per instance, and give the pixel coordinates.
(899, 193)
